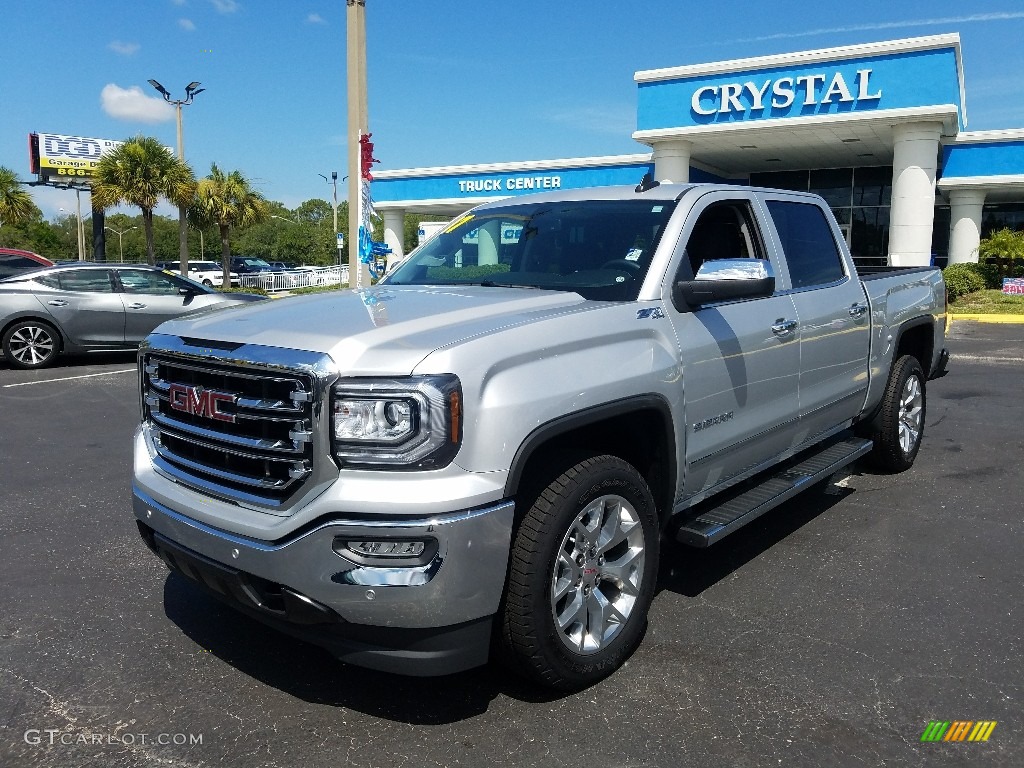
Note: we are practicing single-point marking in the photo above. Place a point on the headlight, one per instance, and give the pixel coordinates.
(412, 422)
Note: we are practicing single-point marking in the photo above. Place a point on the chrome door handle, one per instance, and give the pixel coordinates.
(136, 305)
(57, 303)
(858, 310)
(783, 327)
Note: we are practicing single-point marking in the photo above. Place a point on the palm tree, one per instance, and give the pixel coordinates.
(227, 200)
(139, 172)
(15, 203)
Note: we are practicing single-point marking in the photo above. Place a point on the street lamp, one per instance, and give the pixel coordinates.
(120, 233)
(191, 91)
(79, 227)
(284, 218)
(334, 181)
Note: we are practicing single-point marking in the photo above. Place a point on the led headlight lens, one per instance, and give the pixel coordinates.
(411, 422)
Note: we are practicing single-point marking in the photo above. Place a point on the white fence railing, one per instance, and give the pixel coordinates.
(295, 278)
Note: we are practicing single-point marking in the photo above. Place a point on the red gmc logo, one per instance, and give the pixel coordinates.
(201, 402)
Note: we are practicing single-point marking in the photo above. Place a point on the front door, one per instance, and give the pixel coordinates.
(740, 365)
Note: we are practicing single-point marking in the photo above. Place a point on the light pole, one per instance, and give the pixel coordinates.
(79, 230)
(191, 91)
(334, 181)
(119, 233)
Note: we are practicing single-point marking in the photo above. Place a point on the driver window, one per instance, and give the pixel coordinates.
(724, 230)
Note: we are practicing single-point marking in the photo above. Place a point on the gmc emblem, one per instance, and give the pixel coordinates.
(201, 402)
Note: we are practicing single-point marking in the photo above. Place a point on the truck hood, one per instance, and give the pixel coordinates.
(384, 330)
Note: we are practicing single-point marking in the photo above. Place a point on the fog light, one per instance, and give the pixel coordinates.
(387, 548)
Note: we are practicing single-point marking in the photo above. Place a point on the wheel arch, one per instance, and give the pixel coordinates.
(61, 338)
(638, 429)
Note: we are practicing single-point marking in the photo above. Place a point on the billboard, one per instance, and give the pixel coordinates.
(61, 159)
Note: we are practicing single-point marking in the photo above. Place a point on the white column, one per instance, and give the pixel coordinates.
(672, 161)
(488, 243)
(915, 155)
(394, 232)
(965, 207)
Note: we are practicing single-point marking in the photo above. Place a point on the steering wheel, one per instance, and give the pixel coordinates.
(624, 265)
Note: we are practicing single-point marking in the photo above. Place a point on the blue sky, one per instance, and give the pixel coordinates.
(449, 82)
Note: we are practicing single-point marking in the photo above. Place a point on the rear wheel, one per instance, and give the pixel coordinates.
(899, 426)
(31, 344)
(582, 575)
(208, 282)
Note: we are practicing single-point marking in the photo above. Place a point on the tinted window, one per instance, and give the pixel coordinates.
(145, 281)
(12, 265)
(807, 241)
(723, 230)
(87, 280)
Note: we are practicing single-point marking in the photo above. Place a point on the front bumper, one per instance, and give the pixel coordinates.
(426, 619)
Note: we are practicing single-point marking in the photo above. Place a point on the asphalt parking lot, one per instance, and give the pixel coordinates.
(830, 632)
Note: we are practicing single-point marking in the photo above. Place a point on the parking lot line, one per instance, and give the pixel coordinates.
(68, 378)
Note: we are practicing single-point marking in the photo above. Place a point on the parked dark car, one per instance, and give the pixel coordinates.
(14, 261)
(247, 265)
(87, 307)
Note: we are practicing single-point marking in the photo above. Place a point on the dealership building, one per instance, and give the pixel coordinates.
(879, 130)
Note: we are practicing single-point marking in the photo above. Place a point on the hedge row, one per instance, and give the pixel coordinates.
(962, 279)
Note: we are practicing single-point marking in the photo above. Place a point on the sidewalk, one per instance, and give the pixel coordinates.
(983, 318)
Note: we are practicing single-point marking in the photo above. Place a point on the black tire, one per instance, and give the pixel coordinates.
(561, 574)
(208, 283)
(899, 427)
(31, 344)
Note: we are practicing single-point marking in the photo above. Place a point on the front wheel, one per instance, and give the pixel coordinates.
(582, 575)
(899, 426)
(31, 344)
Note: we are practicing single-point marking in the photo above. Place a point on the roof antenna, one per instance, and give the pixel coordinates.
(647, 182)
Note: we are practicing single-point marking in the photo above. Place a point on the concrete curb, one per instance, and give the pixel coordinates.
(982, 318)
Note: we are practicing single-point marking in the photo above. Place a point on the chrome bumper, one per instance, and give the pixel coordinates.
(463, 580)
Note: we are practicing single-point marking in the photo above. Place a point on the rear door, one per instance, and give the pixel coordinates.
(832, 311)
(740, 368)
(85, 305)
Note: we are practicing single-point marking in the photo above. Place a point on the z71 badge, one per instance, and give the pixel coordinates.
(650, 313)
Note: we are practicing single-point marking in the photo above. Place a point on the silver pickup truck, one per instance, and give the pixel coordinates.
(479, 456)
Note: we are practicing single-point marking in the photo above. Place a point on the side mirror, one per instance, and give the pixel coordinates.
(188, 291)
(724, 280)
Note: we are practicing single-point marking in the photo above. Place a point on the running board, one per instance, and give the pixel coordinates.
(738, 510)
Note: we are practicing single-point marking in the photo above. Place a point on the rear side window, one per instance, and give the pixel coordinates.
(11, 264)
(86, 280)
(807, 241)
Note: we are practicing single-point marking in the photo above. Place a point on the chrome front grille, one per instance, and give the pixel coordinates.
(230, 430)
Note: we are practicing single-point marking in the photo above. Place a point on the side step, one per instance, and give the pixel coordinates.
(717, 522)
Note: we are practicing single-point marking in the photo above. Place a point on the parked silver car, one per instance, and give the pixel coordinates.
(92, 307)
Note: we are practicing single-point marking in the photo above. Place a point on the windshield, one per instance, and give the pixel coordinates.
(600, 249)
(255, 263)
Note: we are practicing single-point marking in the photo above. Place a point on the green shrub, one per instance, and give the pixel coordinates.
(962, 279)
(1003, 244)
(248, 289)
(317, 289)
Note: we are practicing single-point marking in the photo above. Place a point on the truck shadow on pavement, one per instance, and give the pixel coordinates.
(689, 570)
(315, 676)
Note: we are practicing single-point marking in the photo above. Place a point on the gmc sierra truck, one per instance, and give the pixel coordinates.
(478, 457)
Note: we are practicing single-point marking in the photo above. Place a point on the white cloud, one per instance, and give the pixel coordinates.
(877, 26)
(125, 49)
(133, 104)
(315, 18)
(187, 25)
(225, 6)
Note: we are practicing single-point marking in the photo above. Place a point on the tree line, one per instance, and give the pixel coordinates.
(224, 213)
